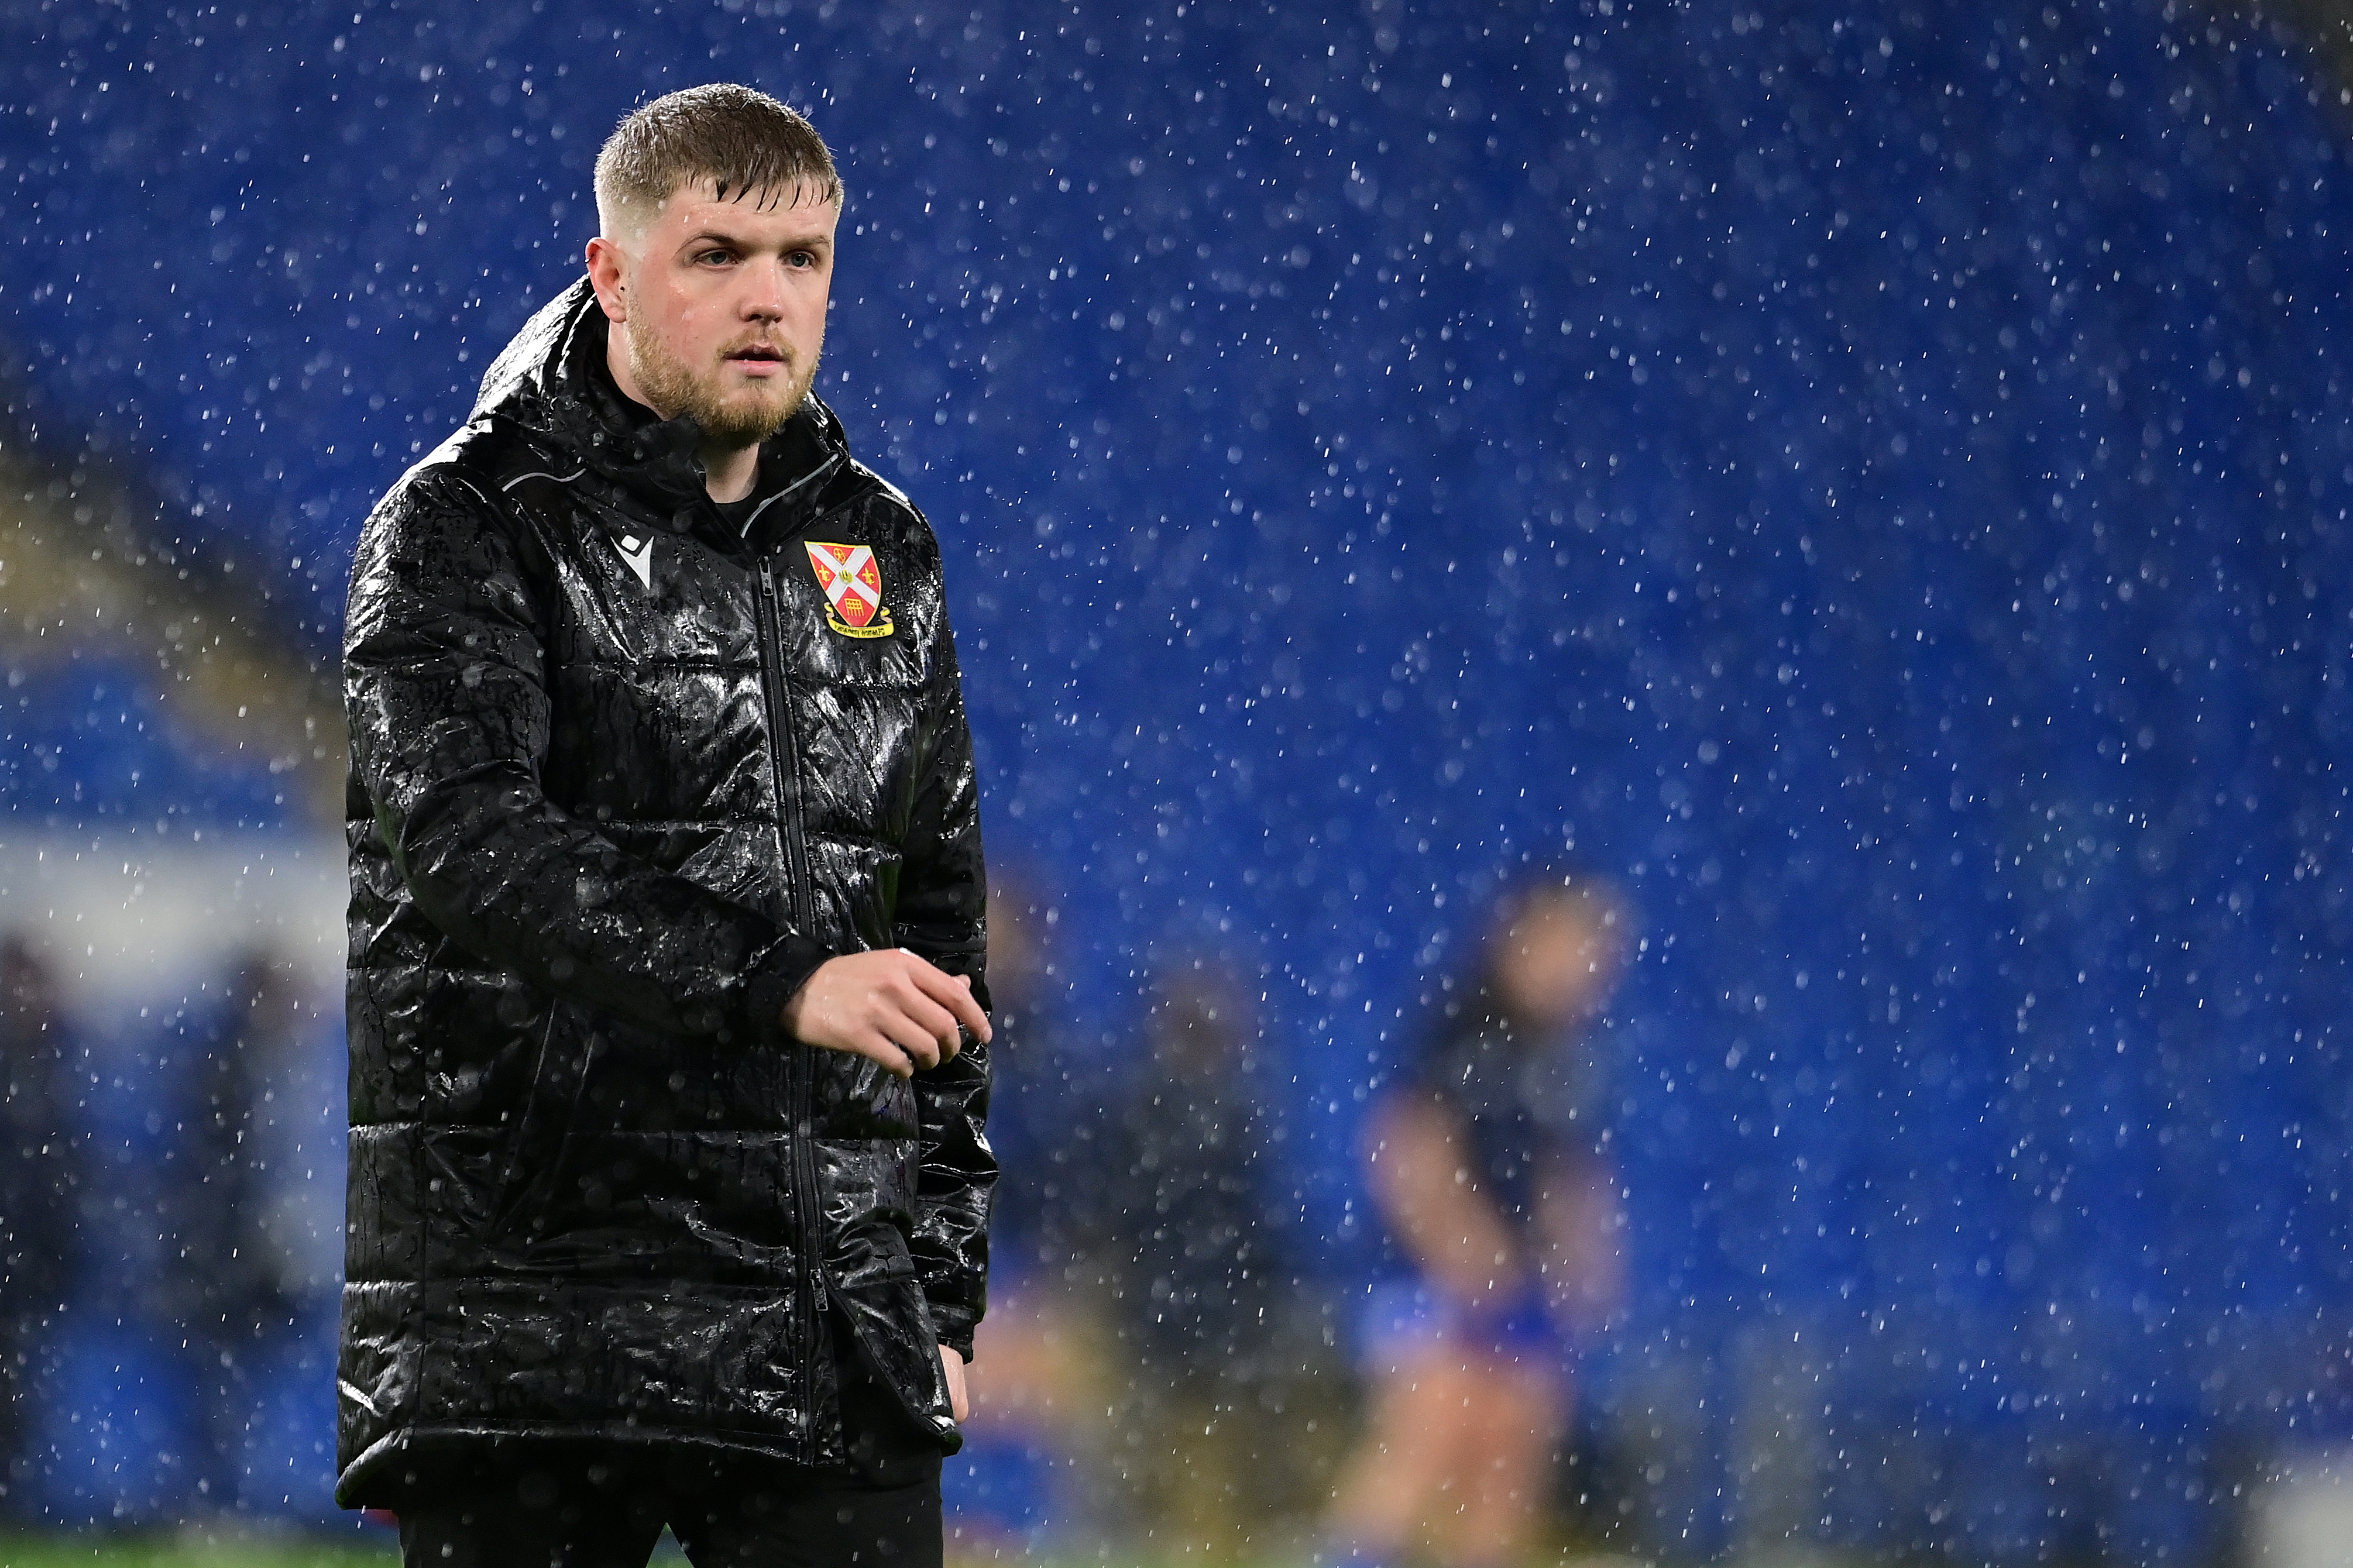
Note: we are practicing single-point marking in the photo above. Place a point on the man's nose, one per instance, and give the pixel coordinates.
(763, 294)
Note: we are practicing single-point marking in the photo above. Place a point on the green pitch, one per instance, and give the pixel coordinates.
(98, 1548)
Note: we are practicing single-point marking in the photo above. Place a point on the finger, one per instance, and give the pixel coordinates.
(953, 991)
(935, 1020)
(984, 1030)
(909, 1036)
(959, 1396)
(886, 1053)
(969, 1010)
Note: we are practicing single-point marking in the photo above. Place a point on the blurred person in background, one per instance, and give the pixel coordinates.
(236, 1287)
(1030, 1123)
(1197, 1255)
(1486, 1162)
(1037, 1373)
(40, 1177)
(669, 1188)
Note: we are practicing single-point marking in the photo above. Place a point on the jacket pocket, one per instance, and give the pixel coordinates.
(535, 1146)
(896, 1335)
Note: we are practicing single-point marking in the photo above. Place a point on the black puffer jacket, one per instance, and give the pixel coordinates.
(620, 781)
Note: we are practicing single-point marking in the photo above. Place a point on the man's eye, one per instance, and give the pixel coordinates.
(709, 257)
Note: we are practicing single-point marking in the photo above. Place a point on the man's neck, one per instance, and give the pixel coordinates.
(729, 475)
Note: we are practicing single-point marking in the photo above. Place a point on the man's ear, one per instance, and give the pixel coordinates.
(608, 271)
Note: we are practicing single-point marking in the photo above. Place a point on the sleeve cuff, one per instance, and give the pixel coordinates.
(952, 1325)
(773, 981)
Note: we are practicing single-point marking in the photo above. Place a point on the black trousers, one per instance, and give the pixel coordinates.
(569, 1506)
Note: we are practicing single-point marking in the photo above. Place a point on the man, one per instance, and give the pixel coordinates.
(669, 1191)
(40, 1179)
(233, 1285)
(1489, 1161)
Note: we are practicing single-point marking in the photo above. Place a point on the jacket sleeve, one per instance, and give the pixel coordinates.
(941, 915)
(444, 687)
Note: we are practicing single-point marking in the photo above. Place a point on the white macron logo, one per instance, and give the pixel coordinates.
(639, 555)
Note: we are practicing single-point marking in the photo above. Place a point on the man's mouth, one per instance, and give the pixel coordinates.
(756, 353)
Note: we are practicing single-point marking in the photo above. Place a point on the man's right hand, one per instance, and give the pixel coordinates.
(899, 1009)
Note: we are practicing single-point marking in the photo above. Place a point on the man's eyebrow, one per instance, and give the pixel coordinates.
(736, 242)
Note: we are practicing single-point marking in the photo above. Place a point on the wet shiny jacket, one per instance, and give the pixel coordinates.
(620, 781)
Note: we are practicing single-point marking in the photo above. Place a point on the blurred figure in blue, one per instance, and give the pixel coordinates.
(1005, 1488)
(40, 1177)
(1031, 1124)
(232, 1296)
(1196, 1251)
(1487, 1164)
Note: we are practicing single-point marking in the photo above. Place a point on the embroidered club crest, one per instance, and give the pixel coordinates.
(853, 589)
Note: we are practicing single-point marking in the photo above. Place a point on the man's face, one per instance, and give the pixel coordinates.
(721, 307)
(1558, 960)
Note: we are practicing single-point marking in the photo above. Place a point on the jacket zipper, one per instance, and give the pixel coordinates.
(783, 748)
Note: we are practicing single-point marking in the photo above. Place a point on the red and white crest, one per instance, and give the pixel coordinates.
(853, 589)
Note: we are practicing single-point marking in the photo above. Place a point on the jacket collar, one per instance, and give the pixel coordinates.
(553, 380)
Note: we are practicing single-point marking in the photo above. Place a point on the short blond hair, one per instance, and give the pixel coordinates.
(737, 138)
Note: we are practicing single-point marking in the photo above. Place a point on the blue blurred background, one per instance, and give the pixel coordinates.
(1871, 479)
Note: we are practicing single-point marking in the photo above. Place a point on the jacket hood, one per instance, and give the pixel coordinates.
(551, 381)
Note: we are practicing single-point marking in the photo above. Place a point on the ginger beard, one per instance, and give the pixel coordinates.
(741, 416)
